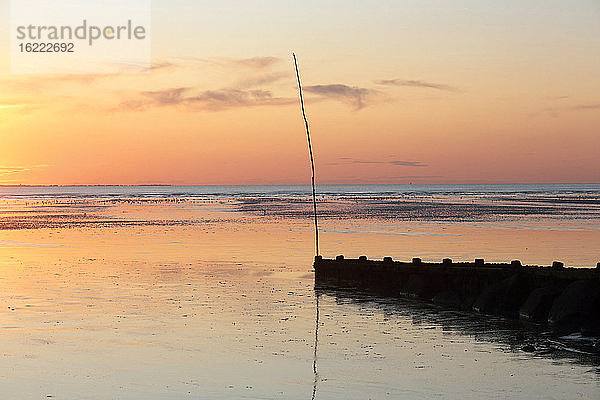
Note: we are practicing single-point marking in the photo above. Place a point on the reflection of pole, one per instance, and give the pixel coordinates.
(314, 392)
(312, 161)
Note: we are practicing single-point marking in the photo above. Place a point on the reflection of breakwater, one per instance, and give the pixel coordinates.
(512, 335)
(568, 299)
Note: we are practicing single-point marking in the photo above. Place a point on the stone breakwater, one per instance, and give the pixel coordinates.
(566, 298)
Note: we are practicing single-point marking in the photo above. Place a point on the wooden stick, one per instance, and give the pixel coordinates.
(312, 161)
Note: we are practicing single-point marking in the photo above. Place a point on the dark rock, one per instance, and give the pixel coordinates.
(419, 261)
(504, 297)
(538, 304)
(446, 261)
(516, 263)
(467, 303)
(423, 286)
(363, 258)
(388, 259)
(448, 299)
(591, 328)
(557, 265)
(479, 261)
(339, 258)
(520, 335)
(528, 348)
(578, 306)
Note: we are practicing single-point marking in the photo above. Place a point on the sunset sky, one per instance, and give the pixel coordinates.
(451, 91)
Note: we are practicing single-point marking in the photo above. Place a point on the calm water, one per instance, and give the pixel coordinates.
(207, 292)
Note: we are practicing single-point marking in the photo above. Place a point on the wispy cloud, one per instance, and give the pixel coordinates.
(252, 63)
(584, 107)
(213, 100)
(264, 79)
(386, 179)
(408, 163)
(356, 96)
(167, 97)
(12, 170)
(402, 163)
(256, 62)
(228, 98)
(416, 176)
(19, 107)
(39, 82)
(249, 85)
(11, 106)
(556, 111)
(157, 65)
(417, 84)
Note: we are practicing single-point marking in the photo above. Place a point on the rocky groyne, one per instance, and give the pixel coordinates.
(568, 299)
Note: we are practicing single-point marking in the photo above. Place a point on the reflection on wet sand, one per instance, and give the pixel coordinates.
(316, 346)
(515, 336)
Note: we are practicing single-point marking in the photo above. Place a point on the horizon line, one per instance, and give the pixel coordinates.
(289, 184)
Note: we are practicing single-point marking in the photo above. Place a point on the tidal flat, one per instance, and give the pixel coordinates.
(175, 293)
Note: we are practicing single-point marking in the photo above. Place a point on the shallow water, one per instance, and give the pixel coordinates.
(171, 297)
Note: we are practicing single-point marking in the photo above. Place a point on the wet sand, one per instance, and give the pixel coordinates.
(212, 298)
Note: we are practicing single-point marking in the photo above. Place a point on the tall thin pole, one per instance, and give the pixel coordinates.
(312, 161)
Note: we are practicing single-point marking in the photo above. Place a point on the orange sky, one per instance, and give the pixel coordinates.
(397, 92)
